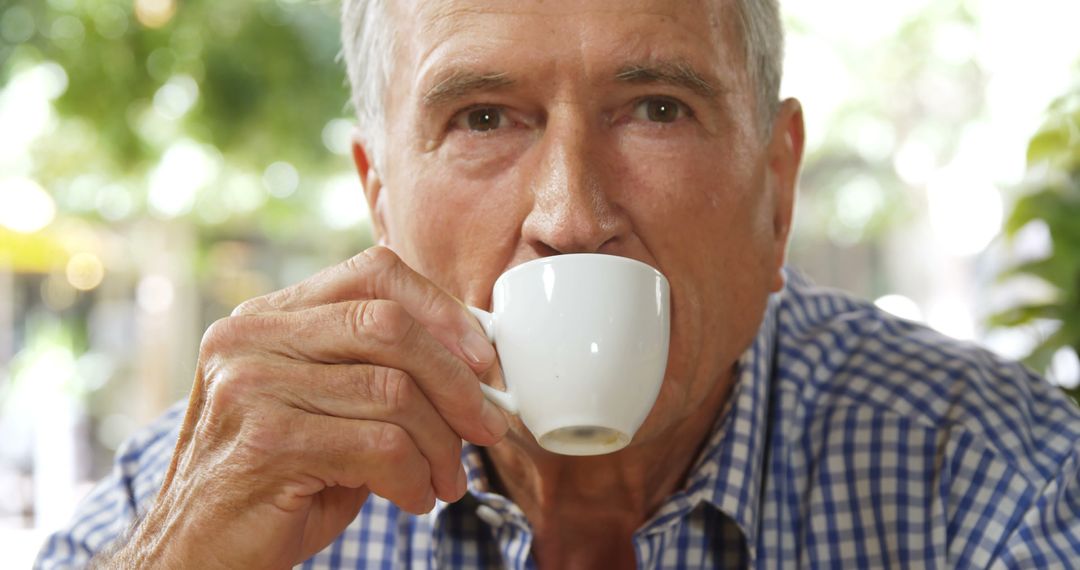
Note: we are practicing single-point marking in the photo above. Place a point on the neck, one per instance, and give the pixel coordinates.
(584, 510)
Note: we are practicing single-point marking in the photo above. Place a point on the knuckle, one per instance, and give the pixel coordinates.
(232, 384)
(435, 305)
(382, 267)
(227, 333)
(249, 306)
(385, 321)
(271, 302)
(393, 443)
(219, 335)
(237, 406)
(397, 388)
(284, 297)
(376, 259)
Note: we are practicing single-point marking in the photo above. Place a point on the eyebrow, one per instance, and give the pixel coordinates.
(459, 83)
(679, 74)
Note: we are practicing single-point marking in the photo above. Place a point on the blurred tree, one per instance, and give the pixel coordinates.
(901, 99)
(197, 150)
(230, 87)
(1053, 199)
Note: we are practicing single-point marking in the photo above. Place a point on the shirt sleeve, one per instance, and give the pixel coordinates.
(117, 500)
(1036, 433)
(1048, 535)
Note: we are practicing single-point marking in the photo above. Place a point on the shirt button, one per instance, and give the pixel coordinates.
(489, 515)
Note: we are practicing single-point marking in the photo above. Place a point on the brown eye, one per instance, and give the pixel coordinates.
(660, 110)
(484, 119)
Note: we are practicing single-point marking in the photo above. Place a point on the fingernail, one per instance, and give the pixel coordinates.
(477, 348)
(462, 482)
(493, 419)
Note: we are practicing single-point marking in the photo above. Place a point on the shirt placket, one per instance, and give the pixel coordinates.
(510, 530)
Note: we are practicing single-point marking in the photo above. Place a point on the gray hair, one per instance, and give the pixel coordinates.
(763, 43)
(367, 41)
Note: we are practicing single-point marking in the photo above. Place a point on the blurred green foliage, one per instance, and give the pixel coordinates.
(205, 141)
(1054, 200)
(258, 83)
(852, 195)
(253, 81)
(267, 72)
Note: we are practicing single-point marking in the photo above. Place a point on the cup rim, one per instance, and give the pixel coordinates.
(613, 258)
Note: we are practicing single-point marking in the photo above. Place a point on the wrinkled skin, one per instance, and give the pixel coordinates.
(517, 130)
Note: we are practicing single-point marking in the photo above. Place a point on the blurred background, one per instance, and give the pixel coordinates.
(163, 160)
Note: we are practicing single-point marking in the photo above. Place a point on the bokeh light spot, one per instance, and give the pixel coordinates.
(914, 162)
(951, 316)
(85, 271)
(857, 202)
(53, 78)
(154, 294)
(110, 21)
(965, 210)
(900, 306)
(16, 25)
(160, 63)
(26, 112)
(154, 13)
(174, 99)
(67, 30)
(337, 136)
(185, 168)
(242, 194)
(342, 204)
(114, 202)
(281, 179)
(1065, 368)
(25, 206)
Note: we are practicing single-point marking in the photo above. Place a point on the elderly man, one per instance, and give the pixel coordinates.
(795, 426)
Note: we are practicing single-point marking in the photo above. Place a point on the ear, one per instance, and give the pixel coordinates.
(785, 155)
(372, 183)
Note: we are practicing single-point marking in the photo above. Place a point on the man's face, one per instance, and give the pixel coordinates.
(524, 129)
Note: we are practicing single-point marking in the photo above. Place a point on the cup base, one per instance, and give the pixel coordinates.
(584, 440)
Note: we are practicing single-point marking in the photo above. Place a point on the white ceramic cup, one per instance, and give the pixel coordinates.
(583, 343)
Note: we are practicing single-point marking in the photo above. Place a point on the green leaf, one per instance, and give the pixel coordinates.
(1025, 315)
(1051, 143)
(1043, 353)
(1059, 271)
(1041, 205)
(1058, 206)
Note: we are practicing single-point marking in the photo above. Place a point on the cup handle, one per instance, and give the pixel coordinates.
(504, 400)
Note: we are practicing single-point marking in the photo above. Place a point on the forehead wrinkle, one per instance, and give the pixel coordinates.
(439, 18)
(438, 24)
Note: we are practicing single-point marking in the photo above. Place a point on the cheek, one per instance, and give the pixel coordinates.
(701, 210)
(692, 196)
(483, 156)
(454, 229)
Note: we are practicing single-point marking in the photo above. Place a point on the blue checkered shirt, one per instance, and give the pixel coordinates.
(852, 439)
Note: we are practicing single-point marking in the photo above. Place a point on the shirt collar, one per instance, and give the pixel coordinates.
(726, 475)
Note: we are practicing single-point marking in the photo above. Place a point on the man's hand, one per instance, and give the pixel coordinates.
(362, 379)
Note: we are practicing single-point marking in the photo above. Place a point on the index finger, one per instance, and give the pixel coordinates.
(378, 273)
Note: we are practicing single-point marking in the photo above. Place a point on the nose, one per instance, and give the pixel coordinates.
(573, 210)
